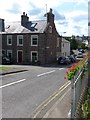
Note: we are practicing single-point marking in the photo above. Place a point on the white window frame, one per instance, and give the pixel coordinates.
(50, 29)
(36, 53)
(9, 51)
(18, 44)
(9, 36)
(32, 36)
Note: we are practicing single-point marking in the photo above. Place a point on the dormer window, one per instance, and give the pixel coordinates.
(50, 29)
(9, 39)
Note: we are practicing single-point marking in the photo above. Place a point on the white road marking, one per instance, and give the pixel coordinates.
(12, 83)
(46, 73)
(9, 84)
(61, 68)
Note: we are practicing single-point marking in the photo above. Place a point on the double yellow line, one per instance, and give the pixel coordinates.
(49, 99)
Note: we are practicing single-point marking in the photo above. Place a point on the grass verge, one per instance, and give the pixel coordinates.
(5, 67)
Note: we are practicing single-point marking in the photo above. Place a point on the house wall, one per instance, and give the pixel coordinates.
(47, 43)
(46, 47)
(27, 48)
(65, 48)
(51, 44)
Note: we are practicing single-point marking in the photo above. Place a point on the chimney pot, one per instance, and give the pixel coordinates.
(50, 16)
(50, 10)
(23, 13)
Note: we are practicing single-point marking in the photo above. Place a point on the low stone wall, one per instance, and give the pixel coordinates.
(78, 113)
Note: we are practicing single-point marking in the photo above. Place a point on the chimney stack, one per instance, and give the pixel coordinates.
(50, 16)
(2, 26)
(24, 19)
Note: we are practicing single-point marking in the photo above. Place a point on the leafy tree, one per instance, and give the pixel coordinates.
(73, 43)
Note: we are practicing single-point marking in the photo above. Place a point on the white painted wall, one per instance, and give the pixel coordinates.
(65, 47)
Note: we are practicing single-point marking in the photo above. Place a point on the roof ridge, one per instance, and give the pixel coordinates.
(28, 21)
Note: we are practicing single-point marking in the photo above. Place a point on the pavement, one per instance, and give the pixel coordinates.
(60, 109)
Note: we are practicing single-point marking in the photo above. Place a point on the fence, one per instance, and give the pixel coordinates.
(78, 87)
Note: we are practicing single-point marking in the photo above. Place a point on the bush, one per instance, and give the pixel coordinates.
(86, 106)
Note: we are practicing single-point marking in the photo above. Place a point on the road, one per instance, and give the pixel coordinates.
(23, 92)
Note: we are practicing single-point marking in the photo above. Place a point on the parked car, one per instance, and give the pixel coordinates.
(79, 56)
(58, 59)
(72, 58)
(6, 60)
(64, 60)
(81, 50)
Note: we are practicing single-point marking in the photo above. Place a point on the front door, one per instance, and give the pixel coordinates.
(19, 57)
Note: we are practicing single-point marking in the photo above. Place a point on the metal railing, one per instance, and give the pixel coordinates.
(78, 86)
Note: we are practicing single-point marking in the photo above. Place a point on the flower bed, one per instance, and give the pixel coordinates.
(72, 72)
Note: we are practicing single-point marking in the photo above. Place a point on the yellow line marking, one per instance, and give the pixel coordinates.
(55, 94)
(57, 102)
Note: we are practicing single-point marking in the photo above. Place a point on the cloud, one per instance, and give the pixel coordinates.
(35, 11)
(15, 8)
(65, 23)
(58, 16)
(80, 17)
(78, 29)
(67, 13)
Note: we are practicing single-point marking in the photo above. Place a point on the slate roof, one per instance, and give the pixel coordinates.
(64, 40)
(30, 27)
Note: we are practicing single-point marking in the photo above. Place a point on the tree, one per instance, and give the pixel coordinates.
(73, 43)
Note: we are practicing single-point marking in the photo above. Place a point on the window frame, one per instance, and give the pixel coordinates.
(9, 51)
(36, 53)
(32, 36)
(18, 44)
(9, 39)
(50, 29)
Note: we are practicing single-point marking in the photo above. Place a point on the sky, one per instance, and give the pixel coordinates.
(71, 16)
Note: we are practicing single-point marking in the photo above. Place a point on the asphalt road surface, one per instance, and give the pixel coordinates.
(23, 92)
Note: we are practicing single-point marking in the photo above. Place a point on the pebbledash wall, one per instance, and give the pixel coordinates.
(48, 46)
